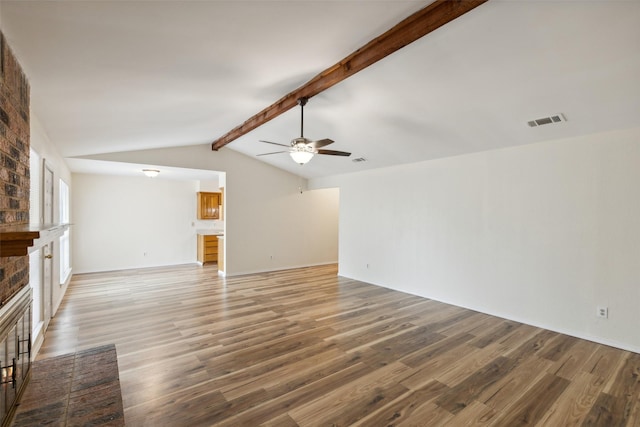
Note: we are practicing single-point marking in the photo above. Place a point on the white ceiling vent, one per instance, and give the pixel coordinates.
(557, 118)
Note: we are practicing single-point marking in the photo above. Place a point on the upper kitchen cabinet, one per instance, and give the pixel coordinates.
(209, 205)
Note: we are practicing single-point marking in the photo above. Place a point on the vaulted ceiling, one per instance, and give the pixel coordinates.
(110, 76)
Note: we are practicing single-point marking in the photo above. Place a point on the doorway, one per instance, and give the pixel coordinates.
(47, 251)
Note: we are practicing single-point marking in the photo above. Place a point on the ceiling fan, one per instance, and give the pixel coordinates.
(303, 149)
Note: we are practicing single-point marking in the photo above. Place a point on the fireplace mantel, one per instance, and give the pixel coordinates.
(19, 240)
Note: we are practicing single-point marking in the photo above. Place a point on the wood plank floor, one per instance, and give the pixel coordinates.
(305, 347)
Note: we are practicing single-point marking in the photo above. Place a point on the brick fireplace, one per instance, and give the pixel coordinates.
(15, 294)
(15, 351)
(14, 165)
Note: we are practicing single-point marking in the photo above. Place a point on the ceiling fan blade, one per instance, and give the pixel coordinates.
(334, 153)
(320, 143)
(275, 152)
(276, 143)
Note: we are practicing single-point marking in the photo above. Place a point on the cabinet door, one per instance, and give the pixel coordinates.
(208, 205)
(207, 248)
(211, 248)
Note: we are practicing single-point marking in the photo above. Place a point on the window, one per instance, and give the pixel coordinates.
(65, 262)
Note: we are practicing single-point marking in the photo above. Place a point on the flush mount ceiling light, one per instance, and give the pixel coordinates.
(151, 173)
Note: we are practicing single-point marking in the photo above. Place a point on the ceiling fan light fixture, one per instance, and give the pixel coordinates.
(300, 152)
(301, 157)
(303, 149)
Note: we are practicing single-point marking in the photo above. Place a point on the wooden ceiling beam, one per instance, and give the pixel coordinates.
(421, 23)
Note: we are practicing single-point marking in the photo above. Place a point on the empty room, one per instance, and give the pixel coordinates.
(320, 213)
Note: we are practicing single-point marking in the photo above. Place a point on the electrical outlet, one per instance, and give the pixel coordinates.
(603, 312)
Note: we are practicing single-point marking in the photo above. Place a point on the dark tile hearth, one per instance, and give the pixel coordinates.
(78, 389)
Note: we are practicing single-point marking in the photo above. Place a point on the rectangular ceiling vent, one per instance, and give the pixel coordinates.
(547, 120)
(359, 160)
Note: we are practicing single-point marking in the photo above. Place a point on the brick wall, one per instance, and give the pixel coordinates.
(14, 164)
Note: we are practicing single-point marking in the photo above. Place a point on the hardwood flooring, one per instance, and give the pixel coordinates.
(305, 347)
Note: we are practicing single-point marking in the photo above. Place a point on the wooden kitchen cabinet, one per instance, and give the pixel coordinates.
(221, 253)
(209, 205)
(207, 248)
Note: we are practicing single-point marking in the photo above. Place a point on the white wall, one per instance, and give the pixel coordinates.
(41, 144)
(542, 234)
(125, 222)
(269, 225)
